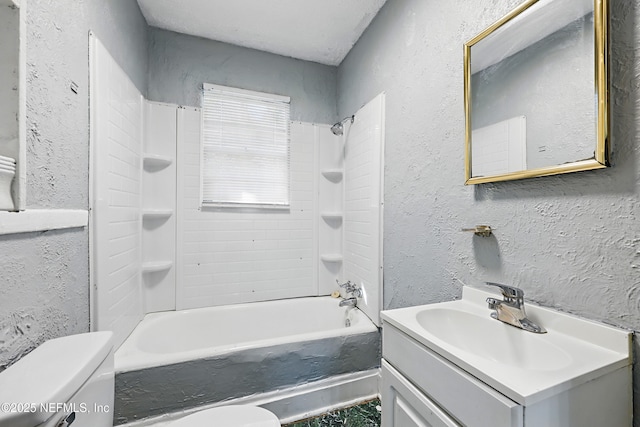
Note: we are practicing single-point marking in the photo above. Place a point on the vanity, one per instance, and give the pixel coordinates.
(452, 364)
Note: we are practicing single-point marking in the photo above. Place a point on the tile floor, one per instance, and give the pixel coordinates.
(363, 415)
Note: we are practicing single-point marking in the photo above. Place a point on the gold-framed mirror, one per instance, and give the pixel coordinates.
(536, 92)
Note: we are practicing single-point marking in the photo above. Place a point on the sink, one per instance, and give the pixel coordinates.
(524, 366)
(493, 340)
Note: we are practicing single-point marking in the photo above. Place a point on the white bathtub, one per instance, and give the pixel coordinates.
(220, 353)
(176, 336)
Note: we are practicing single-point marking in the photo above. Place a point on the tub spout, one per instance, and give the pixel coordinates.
(349, 302)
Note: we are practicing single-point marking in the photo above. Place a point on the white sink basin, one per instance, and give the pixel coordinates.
(485, 337)
(524, 366)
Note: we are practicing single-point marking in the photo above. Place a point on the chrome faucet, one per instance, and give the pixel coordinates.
(511, 309)
(349, 302)
(354, 290)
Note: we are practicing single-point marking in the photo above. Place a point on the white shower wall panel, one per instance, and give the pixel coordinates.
(363, 203)
(236, 256)
(116, 196)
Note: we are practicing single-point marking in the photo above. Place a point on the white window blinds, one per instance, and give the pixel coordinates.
(245, 148)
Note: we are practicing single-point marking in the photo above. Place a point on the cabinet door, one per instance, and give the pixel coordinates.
(403, 405)
(468, 399)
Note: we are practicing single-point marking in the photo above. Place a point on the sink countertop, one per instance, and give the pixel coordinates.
(524, 366)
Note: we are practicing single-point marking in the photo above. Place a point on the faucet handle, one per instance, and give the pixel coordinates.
(510, 292)
(345, 285)
(493, 303)
(350, 288)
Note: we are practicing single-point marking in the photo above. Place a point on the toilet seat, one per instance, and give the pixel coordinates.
(229, 416)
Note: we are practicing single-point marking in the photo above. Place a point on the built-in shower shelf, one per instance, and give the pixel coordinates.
(156, 266)
(333, 175)
(331, 257)
(156, 160)
(156, 213)
(335, 216)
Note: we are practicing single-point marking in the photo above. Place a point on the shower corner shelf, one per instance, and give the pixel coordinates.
(331, 257)
(156, 213)
(156, 160)
(156, 266)
(333, 175)
(332, 215)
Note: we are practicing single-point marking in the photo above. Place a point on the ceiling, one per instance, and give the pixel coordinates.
(314, 30)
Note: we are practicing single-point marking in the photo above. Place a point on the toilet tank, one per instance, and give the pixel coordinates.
(68, 379)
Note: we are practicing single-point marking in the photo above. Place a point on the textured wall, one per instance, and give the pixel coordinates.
(45, 285)
(179, 64)
(44, 291)
(572, 242)
(57, 118)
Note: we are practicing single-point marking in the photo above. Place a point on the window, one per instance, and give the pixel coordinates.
(245, 148)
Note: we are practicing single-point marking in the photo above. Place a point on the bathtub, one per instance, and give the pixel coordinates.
(178, 360)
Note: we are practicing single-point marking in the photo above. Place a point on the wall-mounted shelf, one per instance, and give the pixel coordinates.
(156, 213)
(333, 175)
(336, 216)
(156, 161)
(32, 220)
(156, 266)
(331, 257)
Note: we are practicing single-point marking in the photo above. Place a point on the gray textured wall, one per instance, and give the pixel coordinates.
(45, 285)
(179, 64)
(572, 242)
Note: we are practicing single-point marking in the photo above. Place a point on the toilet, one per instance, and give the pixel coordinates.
(229, 416)
(69, 381)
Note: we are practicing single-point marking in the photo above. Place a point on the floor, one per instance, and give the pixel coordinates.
(364, 415)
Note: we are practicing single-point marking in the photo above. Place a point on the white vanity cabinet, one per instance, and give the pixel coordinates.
(413, 374)
(428, 382)
(405, 405)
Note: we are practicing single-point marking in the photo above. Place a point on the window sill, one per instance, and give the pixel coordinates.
(42, 220)
(242, 207)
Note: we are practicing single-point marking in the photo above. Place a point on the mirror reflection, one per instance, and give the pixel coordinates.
(532, 95)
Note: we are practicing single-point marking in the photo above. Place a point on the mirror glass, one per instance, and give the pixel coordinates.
(9, 49)
(535, 92)
(12, 104)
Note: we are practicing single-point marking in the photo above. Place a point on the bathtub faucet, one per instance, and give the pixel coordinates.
(349, 302)
(354, 290)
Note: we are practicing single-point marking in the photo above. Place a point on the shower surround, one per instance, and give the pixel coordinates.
(156, 249)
